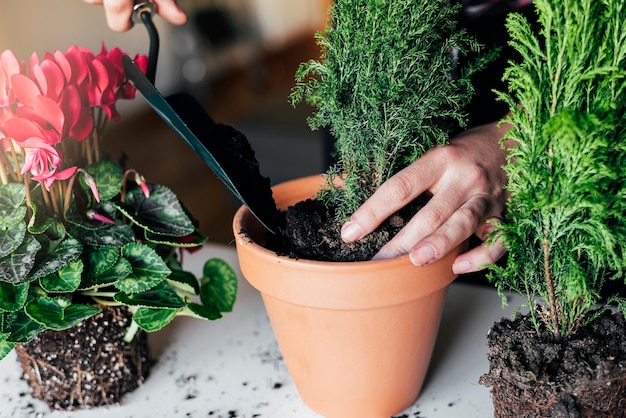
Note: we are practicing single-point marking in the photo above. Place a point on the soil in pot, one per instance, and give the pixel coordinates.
(86, 366)
(309, 230)
(583, 376)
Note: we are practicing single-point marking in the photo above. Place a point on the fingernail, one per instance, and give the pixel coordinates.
(423, 255)
(351, 231)
(463, 266)
(383, 255)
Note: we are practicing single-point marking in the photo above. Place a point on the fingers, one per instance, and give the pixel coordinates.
(118, 13)
(170, 11)
(477, 258)
(392, 195)
(438, 228)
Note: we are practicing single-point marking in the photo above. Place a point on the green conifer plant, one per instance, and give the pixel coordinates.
(566, 230)
(388, 86)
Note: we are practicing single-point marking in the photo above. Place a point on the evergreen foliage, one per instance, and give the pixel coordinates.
(385, 88)
(566, 230)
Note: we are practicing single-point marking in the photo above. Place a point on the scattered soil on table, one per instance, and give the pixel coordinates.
(86, 366)
(583, 376)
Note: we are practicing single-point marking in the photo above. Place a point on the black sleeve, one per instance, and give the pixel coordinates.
(490, 30)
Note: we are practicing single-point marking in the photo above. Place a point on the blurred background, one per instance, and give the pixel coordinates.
(238, 57)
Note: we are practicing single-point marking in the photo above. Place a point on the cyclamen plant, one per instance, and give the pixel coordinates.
(78, 231)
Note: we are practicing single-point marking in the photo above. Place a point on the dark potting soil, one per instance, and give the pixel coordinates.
(88, 365)
(306, 230)
(310, 230)
(582, 376)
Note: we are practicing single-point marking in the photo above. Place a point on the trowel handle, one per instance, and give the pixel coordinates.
(142, 13)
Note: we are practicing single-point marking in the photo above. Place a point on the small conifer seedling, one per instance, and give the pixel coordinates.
(388, 87)
(566, 230)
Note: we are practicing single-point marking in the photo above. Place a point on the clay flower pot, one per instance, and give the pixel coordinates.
(356, 337)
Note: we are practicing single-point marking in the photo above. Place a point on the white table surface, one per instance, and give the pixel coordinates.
(233, 368)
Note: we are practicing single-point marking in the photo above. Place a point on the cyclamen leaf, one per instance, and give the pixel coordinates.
(13, 297)
(21, 327)
(108, 177)
(11, 238)
(148, 269)
(12, 209)
(66, 280)
(5, 347)
(161, 213)
(151, 320)
(218, 287)
(120, 270)
(205, 312)
(184, 281)
(66, 252)
(103, 235)
(99, 259)
(160, 296)
(192, 240)
(14, 268)
(40, 224)
(59, 313)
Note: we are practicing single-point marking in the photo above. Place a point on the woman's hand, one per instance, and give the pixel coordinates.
(119, 12)
(466, 181)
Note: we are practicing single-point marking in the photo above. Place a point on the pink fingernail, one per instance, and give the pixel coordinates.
(423, 255)
(351, 231)
(463, 266)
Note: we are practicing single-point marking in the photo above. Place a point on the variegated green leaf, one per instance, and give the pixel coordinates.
(205, 312)
(103, 235)
(21, 327)
(160, 296)
(12, 209)
(99, 259)
(11, 238)
(218, 286)
(66, 280)
(66, 252)
(108, 177)
(5, 346)
(151, 320)
(161, 213)
(184, 281)
(13, 297)
(148, 269)
(15, 267)
(58, 313)
(120, 270)
(187, 241)
(40, 224)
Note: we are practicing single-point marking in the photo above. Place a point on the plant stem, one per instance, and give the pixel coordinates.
(68, 193)
(27, 190)
(550, 287)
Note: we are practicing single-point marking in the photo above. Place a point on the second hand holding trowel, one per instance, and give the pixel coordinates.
(225, 150)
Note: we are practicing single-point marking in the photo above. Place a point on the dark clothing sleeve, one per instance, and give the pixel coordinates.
(486, 20)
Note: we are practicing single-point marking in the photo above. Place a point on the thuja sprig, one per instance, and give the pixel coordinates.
(566, 233)
(384, 87)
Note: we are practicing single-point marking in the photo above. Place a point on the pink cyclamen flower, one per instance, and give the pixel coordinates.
(43, 161)
(91, 182)
(92, 214)
(9, 65)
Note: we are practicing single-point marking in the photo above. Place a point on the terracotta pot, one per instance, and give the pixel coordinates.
(356, 337)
